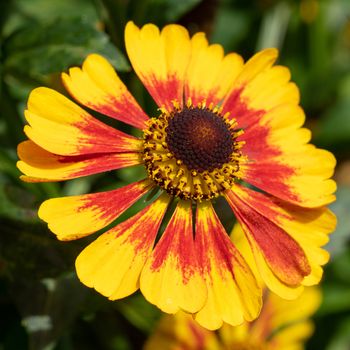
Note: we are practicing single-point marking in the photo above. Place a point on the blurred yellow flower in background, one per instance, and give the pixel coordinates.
(282, 325)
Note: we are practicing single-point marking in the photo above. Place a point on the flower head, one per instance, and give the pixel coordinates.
(222, 124)
(283, 324)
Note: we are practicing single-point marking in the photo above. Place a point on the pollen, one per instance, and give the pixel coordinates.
(193, 153)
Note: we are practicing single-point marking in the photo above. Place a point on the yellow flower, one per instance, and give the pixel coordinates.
(282, 325)
(221, 124)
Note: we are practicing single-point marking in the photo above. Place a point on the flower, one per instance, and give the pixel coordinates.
(222, 124)
(283, 324)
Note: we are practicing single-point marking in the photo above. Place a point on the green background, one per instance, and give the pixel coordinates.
(43, 306)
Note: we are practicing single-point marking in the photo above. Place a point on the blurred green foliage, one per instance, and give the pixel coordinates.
(43, 306)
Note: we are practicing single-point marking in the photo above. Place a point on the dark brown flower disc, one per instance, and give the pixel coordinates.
(200, 138)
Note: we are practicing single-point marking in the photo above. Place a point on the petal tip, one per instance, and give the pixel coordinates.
(42, 211)
(271, 51)
(131, 27)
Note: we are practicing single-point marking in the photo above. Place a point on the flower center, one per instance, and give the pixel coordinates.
(192, 153)
(200, 139)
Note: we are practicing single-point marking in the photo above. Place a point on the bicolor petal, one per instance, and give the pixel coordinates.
(210, 74)
(159, 59)
(38, 165)
(264, 103)
(260, 88)
(60, 126)
(97, 86)
(282, 254)
(78, 216)
(113, 262)
(171, 278)
(236, 102)
(277, 145)
(269, 89)
(262, 272)
(233, 293)
(283, 237)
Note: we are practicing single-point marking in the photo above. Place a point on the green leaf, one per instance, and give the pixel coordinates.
(40, 50)
(25, 11)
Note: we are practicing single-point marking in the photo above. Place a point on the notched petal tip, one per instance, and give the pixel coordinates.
(131, 31)
(174, 30)
(132, 25)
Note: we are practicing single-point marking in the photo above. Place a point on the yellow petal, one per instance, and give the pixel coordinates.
(258, 64)
(98, 87)
(240, 241)
(180, 332)
(233, 293)
(113, 262)
(77, 216)
(271, 88)
(210, 74)
(291, 311)
(293, 336)
(38, 165)
(308, 227)
(282, 253)
(171, 278)
(159, 59)
(60, 126)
